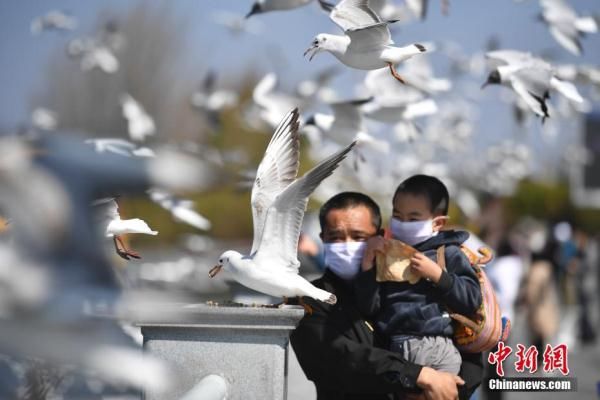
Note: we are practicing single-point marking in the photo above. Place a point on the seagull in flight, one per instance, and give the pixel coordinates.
(366, 44)
(530, 77)
(278, 205)
(181, 209)
(53, 20)
(565, 25)
(115, 227)
(139, 123)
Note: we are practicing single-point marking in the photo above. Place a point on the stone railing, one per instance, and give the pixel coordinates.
(247, 347)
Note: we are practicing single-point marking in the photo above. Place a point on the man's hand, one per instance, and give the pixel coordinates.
(425, 267)
(438, 385)
(374, 244)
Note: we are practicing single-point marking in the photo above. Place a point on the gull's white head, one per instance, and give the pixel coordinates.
(322, 41)
(226, 261)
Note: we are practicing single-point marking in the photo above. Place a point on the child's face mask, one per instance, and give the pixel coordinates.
(412, 232)
(344, 258)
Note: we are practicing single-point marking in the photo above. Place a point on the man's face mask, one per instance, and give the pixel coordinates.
(344, 258)
(412, 232)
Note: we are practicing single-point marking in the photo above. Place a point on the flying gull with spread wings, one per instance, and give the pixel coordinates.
(530, 77)
(366, 44)
(278, 205)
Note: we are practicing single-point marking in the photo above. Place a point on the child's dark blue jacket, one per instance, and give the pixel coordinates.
(399, 308)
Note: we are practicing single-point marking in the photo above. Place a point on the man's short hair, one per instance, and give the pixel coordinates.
(344, 200)
(431, 188)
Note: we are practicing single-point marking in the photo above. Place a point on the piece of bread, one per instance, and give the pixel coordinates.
(394, 263)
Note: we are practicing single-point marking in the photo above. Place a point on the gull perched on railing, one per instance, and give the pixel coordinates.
(367, 43)
(278, 204)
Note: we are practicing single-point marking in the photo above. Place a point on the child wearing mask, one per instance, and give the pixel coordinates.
(414, 317)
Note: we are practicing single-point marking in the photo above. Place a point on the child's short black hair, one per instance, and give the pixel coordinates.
(429, 186)
(344, 200)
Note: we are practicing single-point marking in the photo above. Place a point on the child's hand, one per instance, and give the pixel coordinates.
(425, 267)
(374, 245)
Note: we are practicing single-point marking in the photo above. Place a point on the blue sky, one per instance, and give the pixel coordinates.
(281, 44)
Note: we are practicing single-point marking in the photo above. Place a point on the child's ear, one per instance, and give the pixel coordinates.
(439, 222)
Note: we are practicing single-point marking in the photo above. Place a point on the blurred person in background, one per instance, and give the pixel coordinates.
(582, 265)
(505, 272)
(540, 295)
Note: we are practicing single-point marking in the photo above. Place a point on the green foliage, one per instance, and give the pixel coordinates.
(541, 200)
(550, 202)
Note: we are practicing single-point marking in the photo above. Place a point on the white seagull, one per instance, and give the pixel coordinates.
(114, 227)
(93, 54)
(53, 20)
(367, 42)
(345, 123)
(45, 119)
(278, 205)
(273, 104)
(565, 25)
(530, 77)
(181, 209)
(394, 103)
(139, 123)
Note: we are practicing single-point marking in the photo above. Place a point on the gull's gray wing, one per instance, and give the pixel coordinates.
(276, 171)
(557, 10)
(382, 86)
(567, 36)
(278, 246)
(501, 57)
(350, 14)
(369, 37)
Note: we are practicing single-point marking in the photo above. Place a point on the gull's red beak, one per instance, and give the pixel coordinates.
(214, 270)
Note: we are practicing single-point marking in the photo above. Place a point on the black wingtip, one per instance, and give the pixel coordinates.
(326, 5)
(354, 102)
(359, 102)
(254, 10)
(421, 48)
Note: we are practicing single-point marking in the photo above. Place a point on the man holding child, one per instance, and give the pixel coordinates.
(347, 356)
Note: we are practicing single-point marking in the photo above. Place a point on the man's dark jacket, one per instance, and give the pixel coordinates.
(336, 350)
